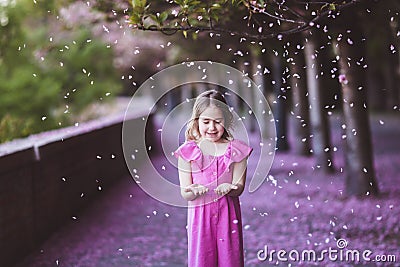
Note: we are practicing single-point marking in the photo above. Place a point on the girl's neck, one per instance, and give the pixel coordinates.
(217, 148)
(205, 140)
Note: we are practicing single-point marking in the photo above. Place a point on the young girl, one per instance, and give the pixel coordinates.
(212, 173)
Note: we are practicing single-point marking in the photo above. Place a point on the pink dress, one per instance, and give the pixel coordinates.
(214, 223)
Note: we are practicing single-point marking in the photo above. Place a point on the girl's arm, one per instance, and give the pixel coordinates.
(239, 177)
(189, 191)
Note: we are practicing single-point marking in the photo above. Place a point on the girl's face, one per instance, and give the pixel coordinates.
(211, 124)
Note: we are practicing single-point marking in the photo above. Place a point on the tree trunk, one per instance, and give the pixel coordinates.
(375, 87)
(391, 74)
(261, 109)
(360, 174)
(280, 105)
(298, 80)
(390, 54)
(319, 121)
(383, 68)
(246, 91)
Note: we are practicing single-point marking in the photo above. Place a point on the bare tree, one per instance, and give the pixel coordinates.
(319, 121)
(300, 105)
(360, 174)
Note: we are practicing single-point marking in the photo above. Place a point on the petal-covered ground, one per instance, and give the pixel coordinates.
(298, 209)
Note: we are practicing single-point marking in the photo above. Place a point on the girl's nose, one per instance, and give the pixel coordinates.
(212, 125)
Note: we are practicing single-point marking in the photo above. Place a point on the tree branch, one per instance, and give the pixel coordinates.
(290, 10)
(258, 36)
(262, 11)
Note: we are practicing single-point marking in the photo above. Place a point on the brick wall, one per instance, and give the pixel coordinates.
(48, 182)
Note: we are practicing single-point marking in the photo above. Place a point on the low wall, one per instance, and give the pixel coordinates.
(47, 179)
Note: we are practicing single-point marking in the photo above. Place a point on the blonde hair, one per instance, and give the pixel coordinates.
(203, 101)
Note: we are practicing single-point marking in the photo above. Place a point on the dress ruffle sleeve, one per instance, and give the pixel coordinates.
(189, 151)
(239, 150)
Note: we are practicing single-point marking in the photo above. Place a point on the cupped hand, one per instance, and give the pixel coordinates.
(197, 189)
(224, 188)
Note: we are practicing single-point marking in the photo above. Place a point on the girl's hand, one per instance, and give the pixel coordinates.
(197, 189)
(224, 189)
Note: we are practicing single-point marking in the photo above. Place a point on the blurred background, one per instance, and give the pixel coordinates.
(65, 61)
(333, 86)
